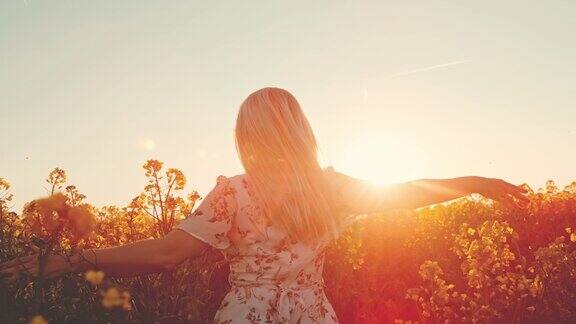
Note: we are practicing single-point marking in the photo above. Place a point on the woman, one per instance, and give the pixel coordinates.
(273, 222)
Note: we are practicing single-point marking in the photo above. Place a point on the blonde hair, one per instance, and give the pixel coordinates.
(279, 153)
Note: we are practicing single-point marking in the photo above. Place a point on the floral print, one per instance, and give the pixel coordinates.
(273, 280)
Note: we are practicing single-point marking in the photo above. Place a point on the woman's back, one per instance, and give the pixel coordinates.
(271, 276)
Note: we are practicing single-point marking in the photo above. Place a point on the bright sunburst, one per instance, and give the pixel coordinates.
(380, 159)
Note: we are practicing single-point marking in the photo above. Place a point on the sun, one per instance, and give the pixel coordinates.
(380, 159)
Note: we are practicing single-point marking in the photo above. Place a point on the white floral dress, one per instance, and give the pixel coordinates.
(272, 279)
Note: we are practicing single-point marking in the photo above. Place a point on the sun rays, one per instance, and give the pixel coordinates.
(381, 159)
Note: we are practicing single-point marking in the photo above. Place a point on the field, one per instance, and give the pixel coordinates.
(469, 261)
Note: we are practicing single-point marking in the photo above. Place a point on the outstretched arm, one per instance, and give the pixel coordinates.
(206, 226)
(359, 196)
(142, 257)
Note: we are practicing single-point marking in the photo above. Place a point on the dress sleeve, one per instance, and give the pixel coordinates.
(211, 221)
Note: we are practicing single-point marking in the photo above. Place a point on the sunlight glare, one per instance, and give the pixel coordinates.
(381, 159)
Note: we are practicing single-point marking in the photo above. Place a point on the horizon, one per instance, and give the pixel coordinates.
(398, 92)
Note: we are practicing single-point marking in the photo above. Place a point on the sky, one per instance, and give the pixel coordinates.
(394, 90)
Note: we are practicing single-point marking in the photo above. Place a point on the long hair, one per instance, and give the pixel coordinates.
(278, 150)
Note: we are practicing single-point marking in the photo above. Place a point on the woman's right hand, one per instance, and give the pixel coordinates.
(55, 265)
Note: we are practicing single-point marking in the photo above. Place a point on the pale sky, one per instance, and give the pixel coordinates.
(395, 90)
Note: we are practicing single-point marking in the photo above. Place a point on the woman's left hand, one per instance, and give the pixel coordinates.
(509, 195)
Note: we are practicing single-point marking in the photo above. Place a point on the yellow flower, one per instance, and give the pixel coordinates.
(56, 203)
(126, 304)
(152, 166)
(94, 277)
(111, 298)
(38, 319)
(471, 231)
(82, 220)
(4, 184)
(114, 298)
(534, 288)
(573, 237)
